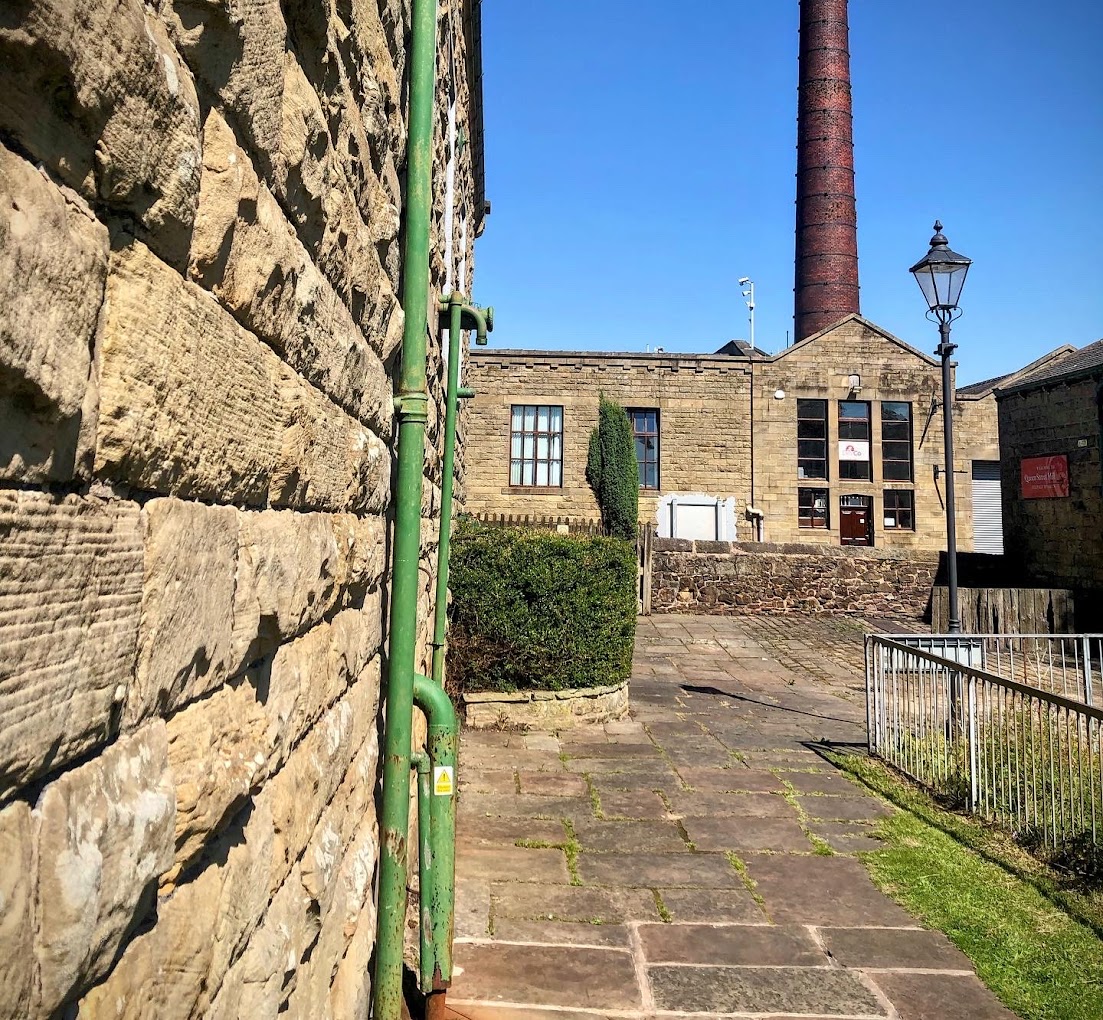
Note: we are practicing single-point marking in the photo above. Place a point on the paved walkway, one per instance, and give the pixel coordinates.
(698, 857)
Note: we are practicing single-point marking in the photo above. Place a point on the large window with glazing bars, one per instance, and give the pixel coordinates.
(536, 445)
(645, 431)
(811, 438)
(854, 460)
(896, 441)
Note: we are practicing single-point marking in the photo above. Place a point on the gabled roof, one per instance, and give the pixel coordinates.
(982, 389)
(1087, 361)
(855, 317)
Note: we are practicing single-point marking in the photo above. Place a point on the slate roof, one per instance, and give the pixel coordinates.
(1081, 362)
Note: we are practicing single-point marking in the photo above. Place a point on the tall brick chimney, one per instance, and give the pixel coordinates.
(827, 227)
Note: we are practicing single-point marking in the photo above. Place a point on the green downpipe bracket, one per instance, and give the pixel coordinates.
(421, 762)
(459, 316)
(411, 405)
(443, 743)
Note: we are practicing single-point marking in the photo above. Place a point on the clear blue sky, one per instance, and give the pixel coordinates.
(640, 158)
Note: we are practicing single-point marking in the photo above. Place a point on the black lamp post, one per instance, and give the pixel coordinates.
(941, 275)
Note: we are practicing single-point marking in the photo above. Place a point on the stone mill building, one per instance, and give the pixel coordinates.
(201, 207)
(835, 441)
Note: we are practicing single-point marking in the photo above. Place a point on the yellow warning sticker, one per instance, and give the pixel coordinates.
(444, 781)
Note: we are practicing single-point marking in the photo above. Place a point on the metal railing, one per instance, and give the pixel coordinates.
(1066, 664)
(985, 723)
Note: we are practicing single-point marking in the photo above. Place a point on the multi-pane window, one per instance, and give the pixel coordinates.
(854, 439)
(536, 445)
(811, 438)
(812, 508)
(896, 441)
(900, 509)
(645, 431)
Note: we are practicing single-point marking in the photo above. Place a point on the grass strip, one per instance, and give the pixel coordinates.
(1032, 934)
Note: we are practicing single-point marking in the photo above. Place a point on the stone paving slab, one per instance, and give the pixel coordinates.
(736, 778)
(480, 1011)
(887, 948)
(490, 805)
(552, 784)
(853, 809)
(508, 830)
(731, 945)
(711, 905)
(747, 833)
(512, 864)
(763, 989)
(828, 783)
(563, 933)
(642, 804)
(523, 902)
(821, 890)
(940, 997)
(653, 836)
(757, 805)
(554, 976)
(686, 870)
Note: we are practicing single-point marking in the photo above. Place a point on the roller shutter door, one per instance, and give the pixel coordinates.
(987, 507)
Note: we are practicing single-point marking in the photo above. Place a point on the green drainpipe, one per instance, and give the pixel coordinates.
(411, 406)
(460, 316)
(443, 742)
(424, 766)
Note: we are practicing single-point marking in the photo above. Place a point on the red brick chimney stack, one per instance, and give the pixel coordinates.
(827, 226)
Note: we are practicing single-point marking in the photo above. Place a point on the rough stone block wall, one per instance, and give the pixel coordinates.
(200, 206)
(704, 430)
(746, 579)
(1057, 540)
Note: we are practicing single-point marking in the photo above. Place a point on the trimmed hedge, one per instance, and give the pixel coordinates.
(539, 611)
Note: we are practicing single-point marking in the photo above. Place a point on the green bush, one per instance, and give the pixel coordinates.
(612, 471)
(538, 611)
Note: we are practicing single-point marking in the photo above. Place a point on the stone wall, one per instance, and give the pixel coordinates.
(199, 257)
(701, 399)
(706, 406)
(745, 579)
(1057, 540)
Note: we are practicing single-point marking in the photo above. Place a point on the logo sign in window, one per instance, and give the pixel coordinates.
(853, 449)
(1045, 477)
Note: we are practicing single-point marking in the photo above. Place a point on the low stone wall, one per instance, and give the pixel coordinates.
(545, 709)
(736, 578)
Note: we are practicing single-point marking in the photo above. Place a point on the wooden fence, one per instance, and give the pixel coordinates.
(1006, 610)
(542, 522)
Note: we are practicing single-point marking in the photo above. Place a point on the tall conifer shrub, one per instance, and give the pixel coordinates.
(612, 471)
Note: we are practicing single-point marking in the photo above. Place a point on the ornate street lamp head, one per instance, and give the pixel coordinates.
(941, 275)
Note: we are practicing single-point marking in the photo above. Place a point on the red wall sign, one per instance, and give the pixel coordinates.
(1045, 477)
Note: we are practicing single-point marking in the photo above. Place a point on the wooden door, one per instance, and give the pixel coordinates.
(856, 520)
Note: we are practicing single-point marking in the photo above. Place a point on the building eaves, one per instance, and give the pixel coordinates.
(855, 317)
(671, 358)
(473, 25)
(1087, 362)
(977, 390)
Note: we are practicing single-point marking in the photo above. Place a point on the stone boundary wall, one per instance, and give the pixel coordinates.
(742, 579)
(488, 709)
(199, 259)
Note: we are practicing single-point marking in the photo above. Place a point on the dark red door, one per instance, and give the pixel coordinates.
(856, 520)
